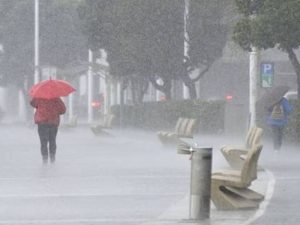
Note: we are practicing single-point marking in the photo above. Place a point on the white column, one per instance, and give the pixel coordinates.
(125, 96)
(159, 93)
(118, 94)
(115, 92)
(71, 112)
(186, 42)
(36, 41)
(107, 98)
(198, 88)
(90, 88)
(253, 74)
(3, 98)
(22, 107)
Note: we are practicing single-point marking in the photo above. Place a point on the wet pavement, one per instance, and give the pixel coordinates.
(128, 178)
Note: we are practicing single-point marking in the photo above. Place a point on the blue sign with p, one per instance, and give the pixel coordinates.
(267, 74)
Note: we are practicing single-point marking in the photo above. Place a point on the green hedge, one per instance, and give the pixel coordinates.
(163, 115)
(292, 131)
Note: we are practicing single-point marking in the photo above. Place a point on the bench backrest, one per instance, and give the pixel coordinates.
(256, 140)
(249, 168)
(178, 124)
(190, 128)
(253, 137)
(185, 127)
(249, 136)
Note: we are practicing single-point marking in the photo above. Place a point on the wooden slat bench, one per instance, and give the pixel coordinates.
(235, 155)
(184, 128)
(230, 189)
(107, 123)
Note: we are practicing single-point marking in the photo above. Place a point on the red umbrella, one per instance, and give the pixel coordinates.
(49, 89)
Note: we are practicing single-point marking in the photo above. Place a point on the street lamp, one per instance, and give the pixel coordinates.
(186, 41)
(90, 88)
(253, 74)
(36, 42)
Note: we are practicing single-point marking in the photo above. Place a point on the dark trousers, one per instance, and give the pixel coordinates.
(47, 134)
(277, 135)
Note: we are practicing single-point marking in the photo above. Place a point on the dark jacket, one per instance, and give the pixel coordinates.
(48, 111)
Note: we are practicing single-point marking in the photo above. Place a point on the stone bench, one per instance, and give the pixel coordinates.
(235, 155)
(230, 188)
(107, 123)
(185, 128)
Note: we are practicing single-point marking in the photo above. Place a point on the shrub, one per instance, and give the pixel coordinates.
(163, 115)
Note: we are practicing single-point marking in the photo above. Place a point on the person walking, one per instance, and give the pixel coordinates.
(277, 120)
(47, 118)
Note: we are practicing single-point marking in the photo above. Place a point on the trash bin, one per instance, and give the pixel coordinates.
(201, 164)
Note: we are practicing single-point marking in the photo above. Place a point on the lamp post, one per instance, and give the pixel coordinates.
(36, 42)
(90, 88)
(186, 42)
(253, 74)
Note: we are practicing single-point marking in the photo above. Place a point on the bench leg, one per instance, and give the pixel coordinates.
(168, 139)
(224, 199)
(247, 193)
(98, 131)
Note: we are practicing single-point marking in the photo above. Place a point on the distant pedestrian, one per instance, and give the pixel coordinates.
(278, 119)
(47, 117)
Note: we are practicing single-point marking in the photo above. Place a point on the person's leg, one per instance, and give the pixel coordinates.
(52, 142)
(43, 131)
(280, 136)
(277, 137)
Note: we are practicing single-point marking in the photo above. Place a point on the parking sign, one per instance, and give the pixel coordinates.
(267, 74)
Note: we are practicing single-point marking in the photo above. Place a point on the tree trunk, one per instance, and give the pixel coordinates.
(143, 87)
(139, 86)
(191, 82)
(190, 85)
(295, 62)
(133, 92)
(168, 94)
(165, 87)
(192, 90)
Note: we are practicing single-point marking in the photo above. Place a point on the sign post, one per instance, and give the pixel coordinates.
(267, 74)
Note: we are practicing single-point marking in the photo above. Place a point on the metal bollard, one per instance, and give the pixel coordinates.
(200, 183)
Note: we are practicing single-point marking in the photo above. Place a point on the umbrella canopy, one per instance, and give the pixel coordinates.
(272, 96)
(49, 89)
